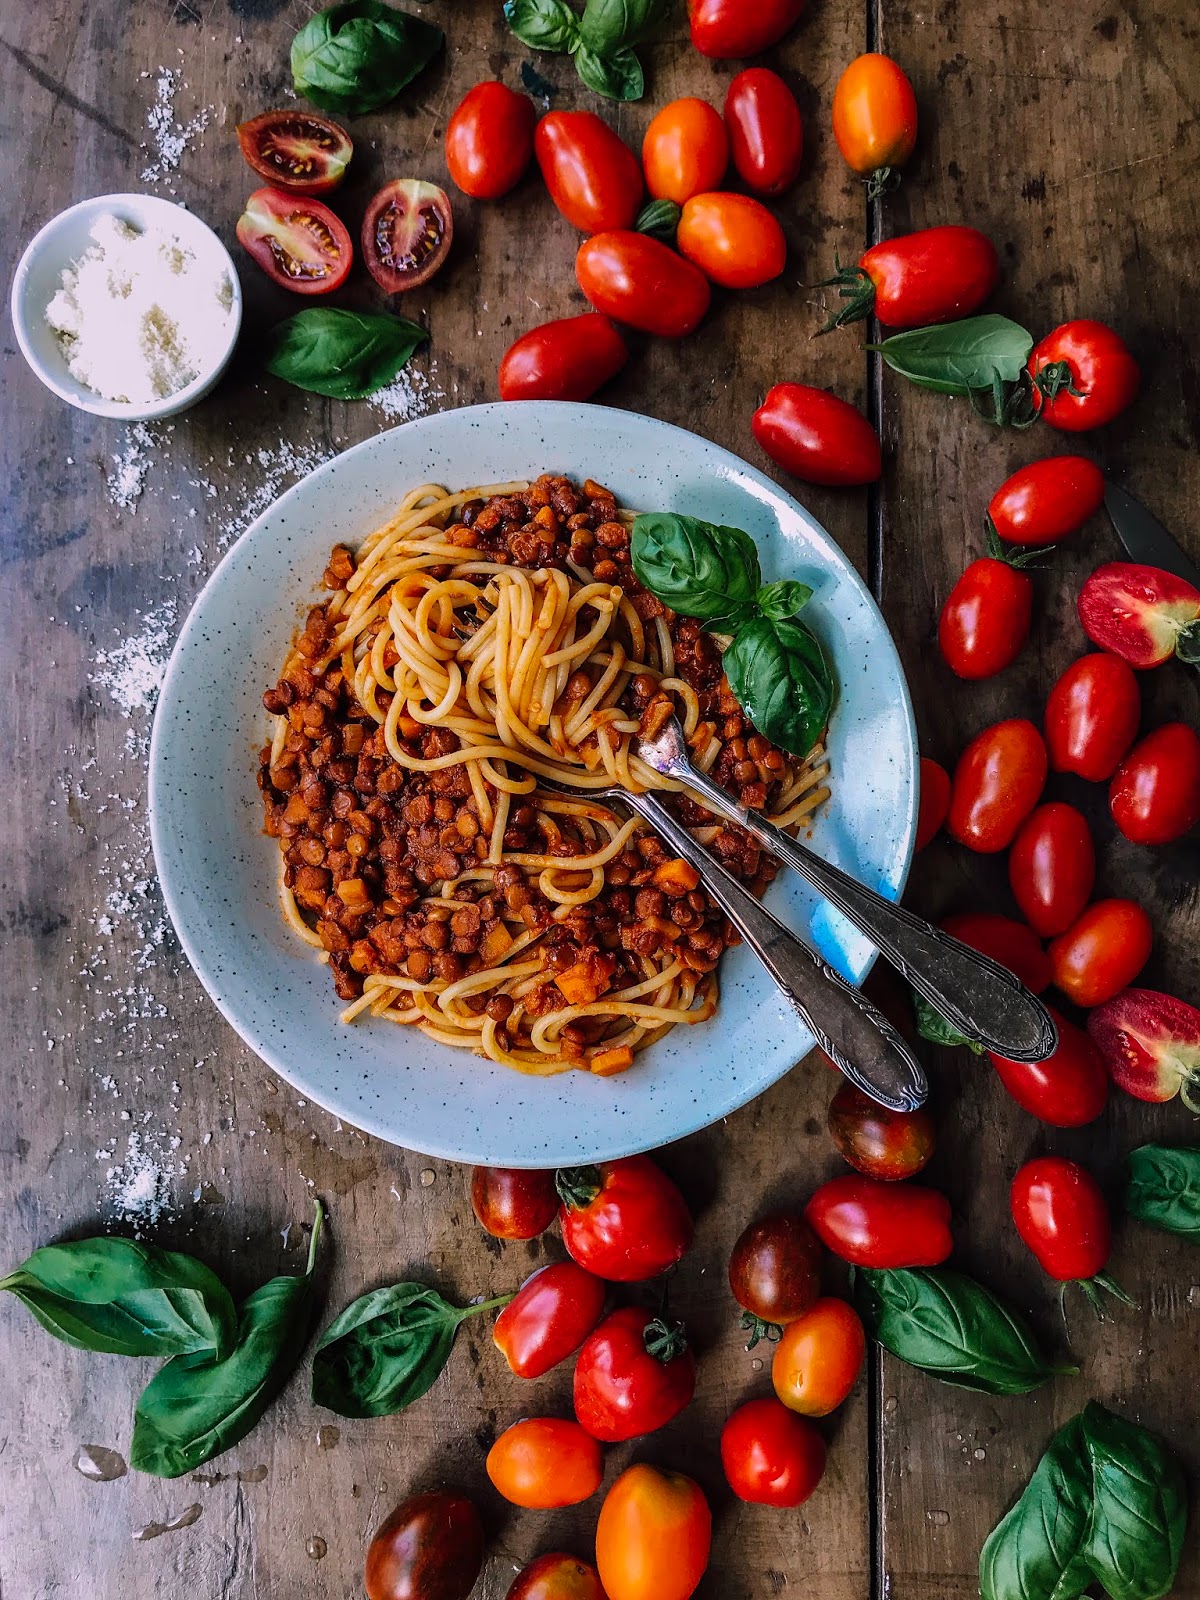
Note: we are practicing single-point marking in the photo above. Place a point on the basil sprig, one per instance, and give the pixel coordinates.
(193, 1409)
(979, 358)
(125, 1298)
(356, 56)
(387, 1348)
(603, 40)
(774, 664)
(949, 1325)
(1106, 1504)
(1163, 1189)
(346, 355)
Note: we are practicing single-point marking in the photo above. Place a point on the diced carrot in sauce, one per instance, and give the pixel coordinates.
(608, 1063)
(354, 894)
(497, 942)
(409, 726)
(586, 981)
(677, 876)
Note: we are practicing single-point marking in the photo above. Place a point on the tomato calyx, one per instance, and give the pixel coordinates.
(659, 219)
(855, 285)
(882, 181)
(664, 1340)
(1017, 556)
(1093, 1290)
(578, 1186)
(1056, 378)
(772, 1332)
(1008, 405)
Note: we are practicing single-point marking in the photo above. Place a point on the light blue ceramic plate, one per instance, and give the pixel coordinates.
(218, 869)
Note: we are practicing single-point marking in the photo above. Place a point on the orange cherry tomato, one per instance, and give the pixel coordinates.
(556, 1576)
(818, 1359)
(685, 151)
(733, 239)
(875, 118)
(934, 802)
(545, 1462)
(653, 1537)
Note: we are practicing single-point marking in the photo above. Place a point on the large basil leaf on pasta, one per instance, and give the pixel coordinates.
(699, 569)
(780, 676)
(346, 355)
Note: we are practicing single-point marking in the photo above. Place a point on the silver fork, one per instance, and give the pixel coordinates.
(855, 1035)
(981, 999)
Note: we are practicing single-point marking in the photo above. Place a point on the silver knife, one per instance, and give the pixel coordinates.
(1144, 537)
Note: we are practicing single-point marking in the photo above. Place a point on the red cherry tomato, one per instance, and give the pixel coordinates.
(986, 619)
(724, 29)
(1142, 614)
(733, 239)
(934, 801)
(1155, 795)
(1092, 716)
(296, 150)
(817, 437)
(513, 1203)
(775, 1270)
(873, 1224)
(1061, 1214)
(653, 1537)
(766, 134)
(623, 1220)
(565, 360)
(556, 1576)
(1066, 1090)
(997, 782)
(1150, 1043)
(883, 1144)
(298, 243)
(936, 275)
(551, 1315)
(685, 151)
(634, 1374)
(771, 1456)
(818, 1359)
(489, 140)
(1047, 500)
(638, 280)
(593, 177)
(875, 117)
(545, 1462)
(1010, 943)
(429, 1548)
(1083, 376)
(406, 234)
(1052, 867)
(1102, 951)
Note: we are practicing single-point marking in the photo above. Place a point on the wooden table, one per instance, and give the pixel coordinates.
(1071, 134)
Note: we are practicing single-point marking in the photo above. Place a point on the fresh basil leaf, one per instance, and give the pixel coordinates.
(344, 354)
(1164, 1189)
(125, 1298)
(781, 678)
(386, 1349)
(1139, 1514)
(949, 1325)
(609, 26)
(961, 358)
(1036, 1551)
(932, 1025)
(356, 56)
(783, 599)
(617, 77)
(543, 24)
(699, 569)
(193, 1409)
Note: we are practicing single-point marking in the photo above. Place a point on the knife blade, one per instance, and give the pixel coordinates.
(1144, 537)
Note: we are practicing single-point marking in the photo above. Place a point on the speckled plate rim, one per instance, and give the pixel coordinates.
(218, 870)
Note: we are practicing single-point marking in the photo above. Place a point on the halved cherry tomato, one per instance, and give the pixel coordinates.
(817, 437)
(1052, 867)
(875, 118)
(1061, 1214)
(733, 239)
(653, 1536)
(1150, 1043)
(935, 275)
(819, 1358)
(1155, 795)
(406, 234)
(771, 1456)
(623, 1220)
(565, 360)
(1047, 500)
(883, 1144)
(723, 29)
(556, 1576)
(593, 176)
(1083, 376)
(1142, 614)
(933, 802)
(685, 151)
(1102, 951)
(296, 150)
(997, 782)
(775, 1271)
(640, 281)
(634, 1374)
(551, 1315)
(874, 1224)
(1092, 716)
(1007, 941)
(513, 1203)
(429, 1548)
(986, 619)
(298, 243)
(545, 1462)
(1066, 1090)
(766, 134)
(489, 140)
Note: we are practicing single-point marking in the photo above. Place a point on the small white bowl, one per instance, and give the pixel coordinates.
(39, 277)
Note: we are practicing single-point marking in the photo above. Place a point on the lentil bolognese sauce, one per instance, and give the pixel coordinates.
(477, 642)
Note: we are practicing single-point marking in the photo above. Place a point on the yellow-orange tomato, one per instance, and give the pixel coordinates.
(733, 239)
(818, 1359)
(685, 151)
(874, 116)
(545, 1462)
(556, 1577)
(653, 1536)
